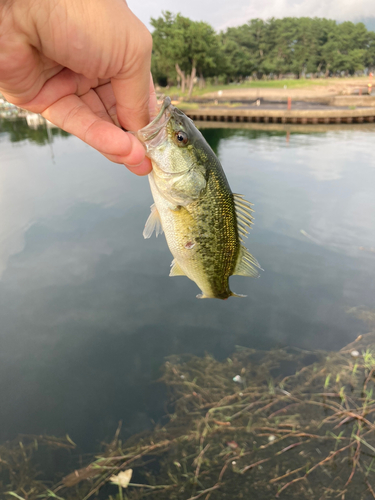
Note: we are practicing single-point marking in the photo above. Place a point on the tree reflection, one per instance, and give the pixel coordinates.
(215, 135)
(18, 130)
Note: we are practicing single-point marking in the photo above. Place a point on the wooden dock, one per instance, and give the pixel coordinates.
(291, 128)
(310, 116)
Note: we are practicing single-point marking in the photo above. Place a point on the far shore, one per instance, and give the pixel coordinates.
(322, 90)
(319, 101)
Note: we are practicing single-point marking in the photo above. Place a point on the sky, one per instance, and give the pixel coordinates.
(224, 13)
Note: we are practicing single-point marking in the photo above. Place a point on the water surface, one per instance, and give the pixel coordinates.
(88, 312)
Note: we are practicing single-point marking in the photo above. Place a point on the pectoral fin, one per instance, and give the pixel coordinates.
(246, 264)
(153, 223)
(176, 269)
(188, 187)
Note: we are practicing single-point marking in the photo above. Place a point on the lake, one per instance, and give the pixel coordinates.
(88, 311)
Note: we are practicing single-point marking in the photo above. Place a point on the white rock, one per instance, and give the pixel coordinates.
(354, 354)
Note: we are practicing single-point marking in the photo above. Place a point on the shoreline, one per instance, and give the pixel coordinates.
(343, 102)
(282, 116)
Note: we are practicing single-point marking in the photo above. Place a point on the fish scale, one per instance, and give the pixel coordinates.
(203, 221)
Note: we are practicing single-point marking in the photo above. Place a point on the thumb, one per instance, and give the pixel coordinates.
(131, 84)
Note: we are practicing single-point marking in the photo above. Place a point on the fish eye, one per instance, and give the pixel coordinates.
(181, 138)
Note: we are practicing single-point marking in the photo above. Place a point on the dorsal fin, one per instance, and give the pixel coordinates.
(246, 264)
(176, 269)
(153, 223)
(244, 214)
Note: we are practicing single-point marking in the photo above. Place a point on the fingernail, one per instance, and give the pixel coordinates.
(143, 168)
(134, 166)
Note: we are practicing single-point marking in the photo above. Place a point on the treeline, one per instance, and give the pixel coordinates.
(186, 49)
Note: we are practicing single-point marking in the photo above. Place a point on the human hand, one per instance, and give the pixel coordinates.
(85, 66)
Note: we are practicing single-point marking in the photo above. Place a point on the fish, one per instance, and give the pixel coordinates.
(203, 221)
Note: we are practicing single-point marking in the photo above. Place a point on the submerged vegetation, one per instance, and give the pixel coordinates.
(286, 423)
(20, 462)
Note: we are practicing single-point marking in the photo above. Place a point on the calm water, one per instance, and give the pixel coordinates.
(88, 312)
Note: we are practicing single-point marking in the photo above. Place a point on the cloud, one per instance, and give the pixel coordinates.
(34, 188)
(351, 10)
(221, 13)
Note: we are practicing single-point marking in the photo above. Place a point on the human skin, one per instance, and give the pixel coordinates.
(85, 66)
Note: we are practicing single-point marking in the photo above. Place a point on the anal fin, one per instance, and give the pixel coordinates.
(246, 264)
(176, 269)
(153, 223)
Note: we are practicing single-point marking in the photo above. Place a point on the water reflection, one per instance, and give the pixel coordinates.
(88, 310)
(18, 129)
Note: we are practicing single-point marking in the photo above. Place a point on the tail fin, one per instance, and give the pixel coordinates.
(222, 297)
(237, 295)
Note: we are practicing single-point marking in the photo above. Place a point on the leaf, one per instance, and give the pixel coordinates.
(68, 438)
(53, 495)
(14, 495)
(122, 478)
(50, 494)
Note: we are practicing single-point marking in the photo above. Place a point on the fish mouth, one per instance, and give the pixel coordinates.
(154, 133)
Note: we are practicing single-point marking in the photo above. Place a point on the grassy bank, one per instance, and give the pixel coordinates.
(302, 83)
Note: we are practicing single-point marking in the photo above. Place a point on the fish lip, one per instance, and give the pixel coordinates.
(151, 130)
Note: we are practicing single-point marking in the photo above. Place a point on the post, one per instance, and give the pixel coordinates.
(289, 103)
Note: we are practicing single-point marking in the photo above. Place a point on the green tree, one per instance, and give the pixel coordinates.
(184, 48)
(190, 47)
(370, 52)
(167, 41)
(245, 47)
(346, 48)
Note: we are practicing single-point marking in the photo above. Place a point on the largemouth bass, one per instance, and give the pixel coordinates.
(203, 221)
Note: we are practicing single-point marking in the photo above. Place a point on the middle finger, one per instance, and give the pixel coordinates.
(93, 101)
(106, 95)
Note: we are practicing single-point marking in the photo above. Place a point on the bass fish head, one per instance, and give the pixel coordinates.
(172, 140)
(178, 152)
